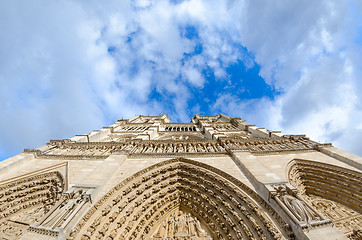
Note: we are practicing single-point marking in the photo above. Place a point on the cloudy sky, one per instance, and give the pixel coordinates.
(68, 67)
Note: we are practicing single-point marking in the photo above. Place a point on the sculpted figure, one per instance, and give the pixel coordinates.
(210, 148)
(192, 224)
(64, 209)
(180, 148)
(200, 148)
(219, 147)
(296, 206)
(230, 144)
(181, 225)
(171, 226)
(162, 230)
(160, 148)
(200, 232)
(150, 149)
(139, 149)
(113, 233)
(190, 148)
(170, 149)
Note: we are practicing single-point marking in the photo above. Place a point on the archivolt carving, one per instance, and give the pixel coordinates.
(63, 212)
(24, 201)
(344, 218)
(138, 207)
(334, 191)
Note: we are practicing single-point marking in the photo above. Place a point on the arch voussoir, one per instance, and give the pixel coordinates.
(166, 197)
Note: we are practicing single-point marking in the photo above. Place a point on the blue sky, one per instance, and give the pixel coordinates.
(69, 67)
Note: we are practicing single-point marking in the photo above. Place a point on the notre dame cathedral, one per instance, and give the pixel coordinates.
(213, 178)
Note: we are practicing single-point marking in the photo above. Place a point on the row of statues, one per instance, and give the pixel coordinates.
(226, 127)
(154, 147)
(180, 224)
(98, 150)
(131, 128)
(179, 148)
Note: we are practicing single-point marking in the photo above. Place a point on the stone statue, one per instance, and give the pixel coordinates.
(180, 225)
(160, 149)
(180, 148)
(210, 148)
(200, 148)
(190, 148)
(170, 149)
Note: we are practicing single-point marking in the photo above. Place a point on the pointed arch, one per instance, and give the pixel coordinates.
(334, 191)
(27, 198)
(328, 181)
(40, 188)
(135, 208)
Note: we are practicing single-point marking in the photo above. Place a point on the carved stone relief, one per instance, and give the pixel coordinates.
(225, 127)
(261, 145)
(178, 147)
(142, 206)
(176, 144)
(24, 201)
(300, 211)
(64, 211)
(333, 191)
(344, 218)
(131, 128)
(181, 225)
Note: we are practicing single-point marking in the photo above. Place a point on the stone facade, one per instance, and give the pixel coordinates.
(213, 178)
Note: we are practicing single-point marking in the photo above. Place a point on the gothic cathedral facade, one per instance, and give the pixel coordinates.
(213, 178)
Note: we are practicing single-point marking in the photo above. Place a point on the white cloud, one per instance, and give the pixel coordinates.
(58, 77)
(69, 67)
(306, 51)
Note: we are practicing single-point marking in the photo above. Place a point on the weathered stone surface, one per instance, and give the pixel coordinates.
(214, 178)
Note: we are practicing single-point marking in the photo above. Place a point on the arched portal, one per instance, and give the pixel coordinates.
(334, 191)
(200, 201)
(26, 199)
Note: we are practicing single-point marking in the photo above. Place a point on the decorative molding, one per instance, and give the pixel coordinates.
(63, 212)
(153, 148)
(134, 207)
(36, 193)
(334, 191)
(296, 208)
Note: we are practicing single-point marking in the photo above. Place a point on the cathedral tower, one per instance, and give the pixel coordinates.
(213, 178)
